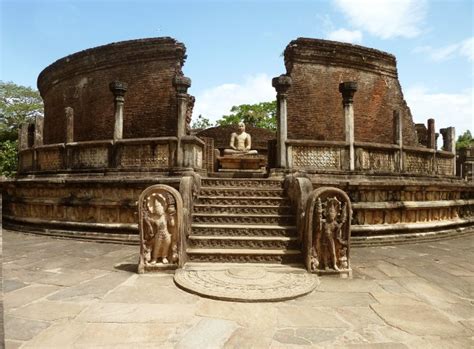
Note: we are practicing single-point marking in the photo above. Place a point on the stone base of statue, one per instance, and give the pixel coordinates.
(147, 267)
(241, 162)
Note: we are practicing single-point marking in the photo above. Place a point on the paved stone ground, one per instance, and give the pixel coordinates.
(72, 294)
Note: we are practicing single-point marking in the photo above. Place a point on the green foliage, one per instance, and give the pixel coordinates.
(258, 115)
(18, 104)
(201, 123)
(465, 140)
(8, 158)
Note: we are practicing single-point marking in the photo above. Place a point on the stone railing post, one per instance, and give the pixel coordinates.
(69, 124)
(118, 89)
(281, 84)
(398, 136)
(181, 83)
(348, 90)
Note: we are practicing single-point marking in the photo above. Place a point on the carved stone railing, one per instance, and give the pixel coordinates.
(135, 154)
(316, 155)
(328, 156)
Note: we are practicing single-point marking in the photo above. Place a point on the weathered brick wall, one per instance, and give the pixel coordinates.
(315, 104)
(81, 81)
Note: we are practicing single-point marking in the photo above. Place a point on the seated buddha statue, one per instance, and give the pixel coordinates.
(240, 143)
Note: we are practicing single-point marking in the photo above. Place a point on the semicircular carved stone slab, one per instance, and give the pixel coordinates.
(328, 231)
(160, 210)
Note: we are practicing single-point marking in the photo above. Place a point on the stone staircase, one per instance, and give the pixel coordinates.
(241, 221)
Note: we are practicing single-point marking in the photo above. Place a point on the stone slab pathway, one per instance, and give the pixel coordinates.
(75, 294)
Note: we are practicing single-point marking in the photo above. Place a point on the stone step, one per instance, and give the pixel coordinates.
(242, 183)
(243, 255)
(246, 242)
(242, 200)
(243, 219)
(243, 230)
(243, 209)
(253, 192)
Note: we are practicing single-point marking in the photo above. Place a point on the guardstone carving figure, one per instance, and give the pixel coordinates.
(160, 214)
(327, 231)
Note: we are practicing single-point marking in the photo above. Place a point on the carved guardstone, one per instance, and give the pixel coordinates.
(160, 210)
(327, 232)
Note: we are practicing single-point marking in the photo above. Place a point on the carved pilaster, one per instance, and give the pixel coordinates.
(348, 90)
(398, 136)
(23, 137)
(118, 89)
(431, 134)
(39, 125)
(281, 84)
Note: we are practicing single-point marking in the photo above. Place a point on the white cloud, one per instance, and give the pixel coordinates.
(214, 102)
(448, 109)
(385, 18)
(463, 48)
(352, 36)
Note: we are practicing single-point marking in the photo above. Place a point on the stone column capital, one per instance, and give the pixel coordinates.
(118, 88)
(348, 89)
(281, 84)
(181, 83)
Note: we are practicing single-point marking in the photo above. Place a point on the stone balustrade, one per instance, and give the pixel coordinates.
(374, 158)
(157, 153)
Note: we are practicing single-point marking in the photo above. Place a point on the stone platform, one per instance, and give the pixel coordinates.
(245, 282)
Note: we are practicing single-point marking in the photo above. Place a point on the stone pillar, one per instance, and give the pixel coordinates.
(398, 136)
(347, 90)
(118, 89)
(23, 137)
(281, 84)
(431, 134)
(181, 83)
(449, 143)
(69, 124)
(39, 123)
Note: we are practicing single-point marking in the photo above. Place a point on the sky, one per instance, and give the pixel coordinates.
(234, 48)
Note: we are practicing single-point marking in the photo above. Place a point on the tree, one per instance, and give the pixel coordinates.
(201, 123)
(8, 158)
(464, 140)
(18, 105)
(262, 114)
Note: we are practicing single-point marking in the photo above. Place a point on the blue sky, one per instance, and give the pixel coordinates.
(234, 47)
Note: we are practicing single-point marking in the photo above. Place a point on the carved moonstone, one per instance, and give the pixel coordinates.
(327, 231)
(161, 222)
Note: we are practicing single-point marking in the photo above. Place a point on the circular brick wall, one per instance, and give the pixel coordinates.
(315, 109)
(81, 81)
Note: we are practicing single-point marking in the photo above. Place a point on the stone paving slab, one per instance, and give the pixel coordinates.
(76, 294)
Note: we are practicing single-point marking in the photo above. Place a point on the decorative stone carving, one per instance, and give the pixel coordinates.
(327, 231)
(316, 157)
(161, 222)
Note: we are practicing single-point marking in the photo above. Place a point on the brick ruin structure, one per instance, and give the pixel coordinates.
(117, 122)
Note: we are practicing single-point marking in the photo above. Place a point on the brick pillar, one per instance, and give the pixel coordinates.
(181, 83)
(431, 134)
(69, 124)
(23, 137)
(398, 136)
(118, 89)
(348, 90)
(281, 84)
(39, 123)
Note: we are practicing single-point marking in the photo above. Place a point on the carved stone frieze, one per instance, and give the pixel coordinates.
(327, 231)
(242, 231)
(243, 219)
(160, 210)
(206, 191)
(418, 163)
(50, 159)
(145, 155)
(240, 243)
(243, 201)
(444, 166)
(316, 157)
(375, 160)
(90, 157)
(234, 209)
